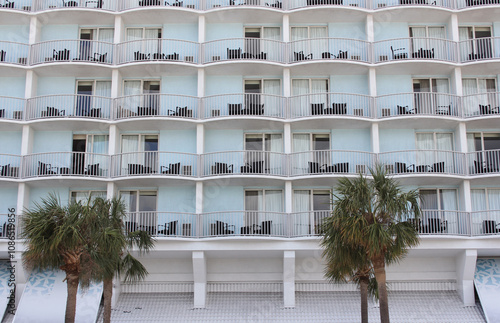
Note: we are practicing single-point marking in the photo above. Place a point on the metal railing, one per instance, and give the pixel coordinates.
(25, 5)
(380, 4)
(317, 162)
(479, 49)
(485, 222)
(69, 105)
(12, 108)
(249, 162)
(465, 4)
(329, 49)
(244, 104)
(131, 4)
(7, 228)
(481, 104)
(414, 48)
(308, 223)
(244, 49)
(72, 50)
(155, 163)
(257, 223)
(66, 164)
(483, 162)
(423, 161)
(418, 103)
(162, 224)
(158, 50)
(275, 4)
(14, 53)
(331, 104)
(157, 105)
(442, 222)
(70, 4)
(10, 166)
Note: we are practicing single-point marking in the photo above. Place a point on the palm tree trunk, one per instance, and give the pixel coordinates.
(379, 269)
(108, 294)
(363, 288)
(72, 281)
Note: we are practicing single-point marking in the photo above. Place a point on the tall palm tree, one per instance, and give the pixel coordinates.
(372, 214)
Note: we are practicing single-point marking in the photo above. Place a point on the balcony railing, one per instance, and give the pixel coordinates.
(244, 104)
(483, 162)
(418, 103)
(69, 105)
(331, 104)
(244, 49)
(479, 49)
(308, 223)
(465, 4)
(485, 222)
(415, 48)
(275, 4)
(10, 166)
(379, 4)
(258, 223)
(12, 108)
(423, 161)
(157, 105)
(295, 4)
(66, 164)
(439, 222)
(16, 4)
(158, 50)
(330, 162)
(131, 4)
(161, 224)
(14, 53)
(481, 104)
(90, 4)
(248, 162)
(155, 163)
(73, 50)
(329, 49)
(7, 228)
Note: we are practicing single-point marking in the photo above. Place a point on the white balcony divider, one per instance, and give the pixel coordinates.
(380, 4)
(14, 53)
(155, 163)
(439, 222)
(25, 5)
(485, 222)
(12, 108)
(481, 104)
(465, 4)
(10, 166)
(158, 50)
(415, 48)
(257, 223)
(329, 49)
(295, 4)
(318, 162)
(69, 105)
(69, 4)
(244, 104)
(308, 223)
(479, 49)
(418, 103)
(423, 161)
(157, 105)
(7, 229)
(162, 224)
(66, 164)
(248, 162)
(72, 50)
(244, 49)
(331, 104)
(483, 162)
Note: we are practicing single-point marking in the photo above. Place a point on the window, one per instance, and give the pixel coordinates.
(478, 45)
(312, 207)
(430, 96)
(438, 210)
(259, 40)
(91, 97)
(485, 199)
(318, 147)
(142, 95)
(92, 50)
(480, 96)
(262, 94)
(310, 96)
(435, 152)
(139, 154)
(141, 208)
(90, 155)
(259, 153)
(146, 42)
(310, 41)
(260, 207)
(426, 42)
(82, 196)
(487, 148)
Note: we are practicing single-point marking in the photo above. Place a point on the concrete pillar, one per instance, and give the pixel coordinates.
(200, 279)
(287, 138)
(461, 135)
(453, 23)
(289, 278)
(27, 140)
(369, 29)
(465, 264)
(119, 30)
(30, 85)
(375, 138)
(111, 191)
(287, 83)
(201, 29)
(116, 291)
(456, 82)
(114, 140)
(35, 28)
(289, 207)
(286, 28)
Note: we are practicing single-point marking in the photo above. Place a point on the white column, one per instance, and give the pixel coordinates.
(27, 140)
(199, 209)
(286, 28)
(370, 32)
(116, 291)
(461, 135)
(200, 279)
(30, 85)
(465, 196)
(375, 138)
(287, 138)
(116, 84)
(453, 23)
(35, 28)
(119, 30)
(287, 82)
(201, 29)
(114, 140)
(465, 264)
(456, 81)
(289, 278)
(111, 191)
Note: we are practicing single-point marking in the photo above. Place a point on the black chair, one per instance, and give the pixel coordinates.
(45, 169)
(222, 168)
(53, 112)
(265, 228)
(135, 169)
(233, 53)
(399, 53)
(401, 168)
(130, 226)
(438, 167)
(2, 55)
(337, 108)
(138, 56)
(71, 4)
(62, 55)
(180, 112)
(341, 55)
(222, 228)
(235, 109)
(95, 113)
(147, 111)
(2, 113)
(314, 168)
(423, 53)
(325, 55)
(341, 168)
(277, 4)
(172, 57)
(169, 229)
(478, 168)
(254, 109)
(490, 226)
(172, 169)
(486, 109)
(92, 170)
(402, 110)
(317, 109)
(423, 168)
(145, 3)
(8, 4)
(5, 171)
(436, 225)
(300, 56)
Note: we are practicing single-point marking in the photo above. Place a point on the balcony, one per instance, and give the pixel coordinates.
(131, 4)
(331, 104)
(14, 53)
(418, 103)
(149, 163)
(244, 104)
(423, 162)
(244, 223)
(481, 104)
(440, 222)
(12, 108)
(162, 224)
(69, 106)
(479, 49)
(10, 166)
(164, 50)
(274, 4)
(296, 4)
(380, 4)
(320, 162)
(24, 5)
(329, 49)
(66, 164)
(465, 4)
(307, 223)
(485, 222)
(157, 105)
(71, 4)
(72, 51)
(483, 162)
(7, 228)
(255, 49)
(244, 163)
(415, 49)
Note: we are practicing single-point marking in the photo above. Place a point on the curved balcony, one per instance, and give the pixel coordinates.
(418, 103)
(25, 5)
(71, 4)
(157, 105)
(483, 162)
(485, 222)
(441, 222)
(481, 104)
(423, 162)
(244, 104)
(415, 49)
(131, 4)
(148, 163)
(14, 53)
(380, 4)
(465, 4)
(329, 49)
(69, 106)
(331, 104)
(74, 50)
(318, 162)
(10, 166)
(12, 108)
(274, 4)
(7, 226)
(244, 49)
(247, 162)
(244, 223)
(66, 164)
(296, 4)
(163, 224)
(479, 49)
(168, 50)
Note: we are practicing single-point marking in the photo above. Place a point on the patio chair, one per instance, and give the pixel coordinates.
(131, 226)
(490, 226)
(437, 167)
(5, 170)
(436, 225)
(223, 228)
(265, 228)
(300, 56)
(399, 53)
(138, 56)
(172, 169)
(2, 55)
(402, 110)
(2, 113)
(8, 4)
(337, 108)
(341, 167)
(341, 55)
(314, 168)
(486, 109)
(233, 53)
(92, 170)
(62, 55)
(172, 57)
(169, 229)
(317, 109)
(45, 169)
(71, 4)
(95, 113)
(222, 168)
(135, 169)
(400, 168)
(277, 4)
(234, 109)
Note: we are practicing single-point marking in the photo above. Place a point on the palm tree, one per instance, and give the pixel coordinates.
(372, 214)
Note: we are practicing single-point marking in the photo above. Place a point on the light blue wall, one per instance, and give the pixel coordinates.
(396, 139)
(180, 31)
(223, 31)
(37, 193)
(391, 30)
(178, 141)
(52, 141)
(496, 29)
(12, 86)
(184, 85)
(223, 198)
(357, 84)
(15, 33)
(10, 142)
(223, 84)
(391, 84)
(56, 85)
(351, 139)
(354, 30)
(223, 140)
(59, 32)
(8, 199)
(177, 199)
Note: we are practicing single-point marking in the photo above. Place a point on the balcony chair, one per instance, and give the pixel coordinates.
(277, 4)
(172, 57)
(2, 113)
(300, 56)
(8, 4)
(95, 113)
(234, 53)
(131, 226)
(486, 109)
(437, 167)
(5, 170)
(221, 228)
(423, 53)
(435, 225)
(341, 55)
(151, 229)
(135, 169)
(172, 169)
(180, 112)
(264, 228)
(337, 108)
(222, 168)
(479, 168)
(444, 110)
(399, 53)
(2, 55)
(490, 226)
(138, 56)
(145, 3)
(234, 109)
(92, 170)
(71, 4)
(317, 109)
(62, 55)
(423, 168)
(100, 58)
(341, 167)
(254, 109)
(314, 168)
(169, 229)
(176, 3)
(45, 169)
(402, 110)
(400, 168)
(147, 111)
(256, 167)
